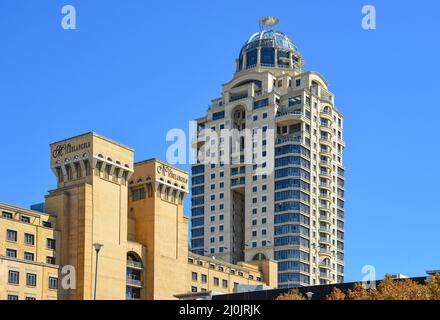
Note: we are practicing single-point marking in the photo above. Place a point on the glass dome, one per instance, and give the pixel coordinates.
(280, 39)
(269, 48)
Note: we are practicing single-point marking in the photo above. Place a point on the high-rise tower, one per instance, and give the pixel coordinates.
(295, 214)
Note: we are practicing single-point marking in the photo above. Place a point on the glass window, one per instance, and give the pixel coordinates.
(29, 239)
(11, 235)
(51, 243)
(28, 256)
(53, 283)
(268, 57)
(11, 253)
(31, 279)
(13, 277)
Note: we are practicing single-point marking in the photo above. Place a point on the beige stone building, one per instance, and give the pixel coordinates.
(294, 214)
(132, 212)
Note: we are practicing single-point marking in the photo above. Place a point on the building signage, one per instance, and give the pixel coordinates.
(66, 148)
(169, 172)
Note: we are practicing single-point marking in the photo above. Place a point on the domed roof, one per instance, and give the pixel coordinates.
(280, 39)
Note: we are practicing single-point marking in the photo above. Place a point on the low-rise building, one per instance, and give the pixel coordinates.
(131, 212)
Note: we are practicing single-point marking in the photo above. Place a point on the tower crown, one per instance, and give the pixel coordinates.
(269, 48)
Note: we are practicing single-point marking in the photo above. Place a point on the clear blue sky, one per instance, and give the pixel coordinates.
(135, 69)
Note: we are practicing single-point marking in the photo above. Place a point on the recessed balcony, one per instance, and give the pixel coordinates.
(133, 282)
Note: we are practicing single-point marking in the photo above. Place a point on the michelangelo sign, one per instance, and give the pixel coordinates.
(169, 172)
(66, 148)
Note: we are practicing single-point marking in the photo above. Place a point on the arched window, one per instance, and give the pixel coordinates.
(259, 257)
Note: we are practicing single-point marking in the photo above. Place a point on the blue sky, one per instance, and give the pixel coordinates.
(135, 69)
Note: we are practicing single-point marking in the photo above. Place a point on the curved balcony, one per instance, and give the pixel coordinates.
(289, 140)
(326, 153)
(325, 265)
(325, 252)
(325, 127)
(325, 219)
(325, 230)
(325, 276)
(325, 240)
(288, 117)
(325, 185)
(326, 115)
(325, 141)
(325, 174)
(325, 197)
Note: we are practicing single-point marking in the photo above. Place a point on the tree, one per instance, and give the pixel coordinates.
(293, 294)
(360, 293)
(336, 294)
(406, 289)
(433, 284)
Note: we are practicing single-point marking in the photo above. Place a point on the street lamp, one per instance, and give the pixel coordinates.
(97, 247)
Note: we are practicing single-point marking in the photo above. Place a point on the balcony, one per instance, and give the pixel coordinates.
(289, 139)
(325, 252)
(288, 117)
(325, 127)
(131, 297)
(325, 152)
(325, 219)
(325, 265)
(326, 115)
(133, 282)
(238, 97)
(325, 276)
(135, 265)
(325, 197)
(325, 230)
(325, 240)
(325, 185)
(326, 141)
(325, 174)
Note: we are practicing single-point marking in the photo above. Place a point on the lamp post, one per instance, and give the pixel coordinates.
(97, 247)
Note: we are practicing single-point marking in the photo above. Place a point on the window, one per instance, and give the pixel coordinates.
(53, 283)
(13, 277)
(50, 260)
(51, 244)
(29, 239)
(31, 279)
(216, 281)
(7, 215)
(224, 283)
(25, 219)
(194, 276)
(31, 298)
(11, 235)
(218, 115)
(11, 253)
(12, 297)
(138, 194)
(298, 82)
(204, 278)
(193, 289)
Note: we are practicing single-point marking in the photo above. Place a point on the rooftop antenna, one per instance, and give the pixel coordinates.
(269, 23)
